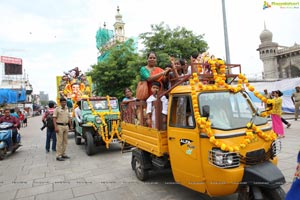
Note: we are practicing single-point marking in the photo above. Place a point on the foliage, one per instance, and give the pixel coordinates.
(44, 103)
(166, 42)
(121, 67)
(116, 72)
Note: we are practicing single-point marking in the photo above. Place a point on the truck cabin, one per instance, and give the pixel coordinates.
(134, 112)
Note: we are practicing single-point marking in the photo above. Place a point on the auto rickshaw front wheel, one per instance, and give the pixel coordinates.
(256, 193)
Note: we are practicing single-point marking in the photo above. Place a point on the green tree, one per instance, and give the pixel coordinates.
(121, 67)
(117, 71)
(166, 42)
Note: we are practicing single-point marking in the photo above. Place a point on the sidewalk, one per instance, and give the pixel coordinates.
(33, 174)
(287, 158)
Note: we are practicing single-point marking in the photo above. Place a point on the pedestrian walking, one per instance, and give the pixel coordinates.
(49, 124)
(276, 114)
(61, 119)
(296, 100)
(270, 96)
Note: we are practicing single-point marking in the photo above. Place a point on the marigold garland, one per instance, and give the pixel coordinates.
(103, 128)
(219, 78)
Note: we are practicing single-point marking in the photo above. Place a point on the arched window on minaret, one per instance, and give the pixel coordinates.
(119, 27)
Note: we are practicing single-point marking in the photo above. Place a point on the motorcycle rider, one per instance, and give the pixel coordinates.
(11, 119)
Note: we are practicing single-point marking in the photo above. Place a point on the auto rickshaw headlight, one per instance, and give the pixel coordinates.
(276, 147)
(223, 159)
(229, 159)
(98, 120)
(218, 158)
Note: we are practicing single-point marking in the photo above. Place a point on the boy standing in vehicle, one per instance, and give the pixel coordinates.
(151, 121)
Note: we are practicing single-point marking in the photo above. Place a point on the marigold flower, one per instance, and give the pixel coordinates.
(223, 146)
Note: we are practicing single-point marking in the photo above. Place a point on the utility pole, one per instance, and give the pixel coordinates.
(225, 34)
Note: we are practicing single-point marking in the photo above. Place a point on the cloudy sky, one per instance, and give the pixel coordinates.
(52, 36)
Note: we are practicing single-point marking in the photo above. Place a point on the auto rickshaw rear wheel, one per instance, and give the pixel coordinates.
(139, 168)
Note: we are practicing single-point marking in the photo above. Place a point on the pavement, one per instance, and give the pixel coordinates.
(33, 174)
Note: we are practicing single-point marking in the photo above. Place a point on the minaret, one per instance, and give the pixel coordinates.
(267, 53)
(119, 27)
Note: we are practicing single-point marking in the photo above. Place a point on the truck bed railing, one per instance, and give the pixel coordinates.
(134, 112)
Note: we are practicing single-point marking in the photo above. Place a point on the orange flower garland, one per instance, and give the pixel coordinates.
(205, 124)
(103, 128)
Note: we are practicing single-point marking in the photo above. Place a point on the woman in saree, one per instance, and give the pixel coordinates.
(151, 72)
(276, 115)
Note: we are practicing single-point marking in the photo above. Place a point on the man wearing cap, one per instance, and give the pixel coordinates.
(296, 100)
(61, 120)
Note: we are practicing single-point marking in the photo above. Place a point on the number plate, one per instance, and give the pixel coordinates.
(114, 141)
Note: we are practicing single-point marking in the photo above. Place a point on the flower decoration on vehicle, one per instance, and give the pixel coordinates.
(218, 68)
(103, 128)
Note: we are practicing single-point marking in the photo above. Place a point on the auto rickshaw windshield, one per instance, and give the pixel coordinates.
(228, 110)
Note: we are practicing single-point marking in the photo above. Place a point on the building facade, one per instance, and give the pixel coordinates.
(279, 62)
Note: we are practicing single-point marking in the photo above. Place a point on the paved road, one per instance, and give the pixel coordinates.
(33, 174)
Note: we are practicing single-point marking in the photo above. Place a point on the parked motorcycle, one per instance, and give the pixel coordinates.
(6, 143)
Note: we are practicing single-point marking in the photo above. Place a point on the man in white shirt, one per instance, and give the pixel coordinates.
(78, 114)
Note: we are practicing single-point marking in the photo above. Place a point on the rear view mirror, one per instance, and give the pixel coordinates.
(205, 111)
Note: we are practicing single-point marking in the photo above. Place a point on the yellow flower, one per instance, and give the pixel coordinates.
(223, 147)
(205, 124)
(260, 96)
(212, 139)
(241, 76)
(249, 125)
(236, 148)
(223, 70)
(251, 88)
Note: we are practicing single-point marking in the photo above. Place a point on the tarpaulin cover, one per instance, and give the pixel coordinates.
(103, 35)
(286, 86)
(12, 96)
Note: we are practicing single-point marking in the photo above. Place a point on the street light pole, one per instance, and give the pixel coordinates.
(225, 34)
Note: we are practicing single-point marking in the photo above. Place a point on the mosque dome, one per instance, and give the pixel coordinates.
(266, 36)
